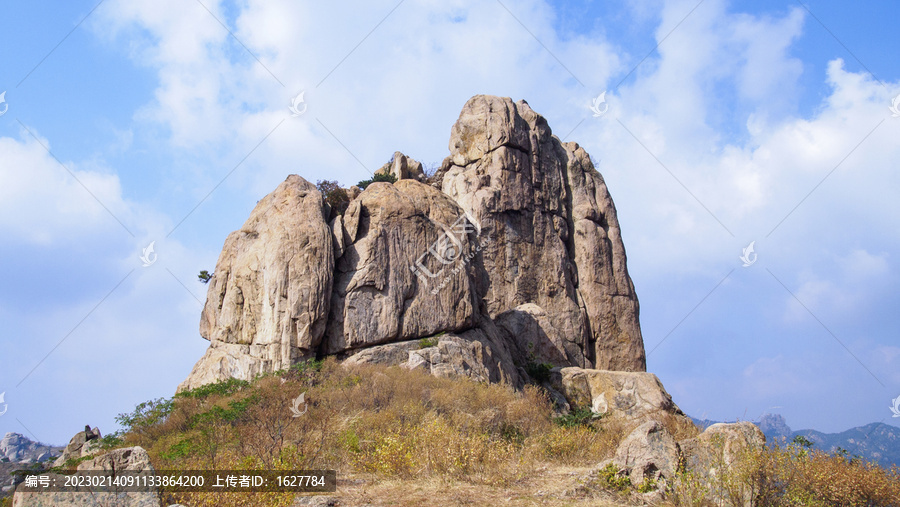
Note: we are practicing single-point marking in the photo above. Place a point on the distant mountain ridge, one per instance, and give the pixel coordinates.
(18, 451)
(877, 442)
(17, 448)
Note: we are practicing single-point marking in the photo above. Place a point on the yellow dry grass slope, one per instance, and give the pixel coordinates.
(399, 437)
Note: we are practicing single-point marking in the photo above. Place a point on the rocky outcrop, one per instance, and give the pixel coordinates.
(17, 448)
(713, 453)
(84, 443)
(377, 298)
(511, 252)
(475, 354)
(720, 444)
(133, 459)
(402, 167)
(648, 453)
(629, 396)
(774, 426)
(551, 235)
(267, 303)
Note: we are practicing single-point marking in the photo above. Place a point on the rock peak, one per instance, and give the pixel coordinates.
(510, 255)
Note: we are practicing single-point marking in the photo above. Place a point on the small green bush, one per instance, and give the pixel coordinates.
(580, 417)
(145, 415)
(540, 372)
(217, 413)
(389, 178)
(222, 388)
(610, 477)
(647, 486)
(112, 440)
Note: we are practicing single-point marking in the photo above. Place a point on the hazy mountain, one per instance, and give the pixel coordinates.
(18, 451)
(876, 442)
(18, 448)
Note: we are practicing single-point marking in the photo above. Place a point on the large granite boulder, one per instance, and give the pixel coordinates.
(267, 303)
(629, 396)
(476, 353)
(720, 445)
(550, 233)
(133, 459)
(648, 453)
(397, 240)
(719, 451)
(402, 167)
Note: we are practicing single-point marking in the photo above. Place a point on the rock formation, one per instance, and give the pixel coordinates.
(267, 303)
(84, 443)
(506, 265)
(510, 255)
(631, 396)
(402, 167)
(132, 459)
(17, 448)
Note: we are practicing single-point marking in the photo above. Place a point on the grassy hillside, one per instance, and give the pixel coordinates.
(407, 438)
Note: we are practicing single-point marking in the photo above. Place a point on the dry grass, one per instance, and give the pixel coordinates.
(400, 437)
(787, 476)
(389, 423)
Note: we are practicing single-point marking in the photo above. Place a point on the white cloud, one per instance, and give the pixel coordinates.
(42, 202)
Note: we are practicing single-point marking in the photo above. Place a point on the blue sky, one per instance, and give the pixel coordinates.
(134, 121)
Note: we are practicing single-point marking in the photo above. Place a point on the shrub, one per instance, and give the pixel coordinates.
(146, 415)
(389, 178)
(612, 478)
(334, 195)
(580, 417)
(221, 388)
(539, 372)
(647, 486)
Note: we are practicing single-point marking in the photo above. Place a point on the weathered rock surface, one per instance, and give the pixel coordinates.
(615, 394)
(475, 354)
(512, 250)
(83, 443)
(403, 168)
(720, 444)
(377, 298)
(267, 303)
(16, 447)
(550, 232)
(715, 451)
(649, 452)
(131, 458)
